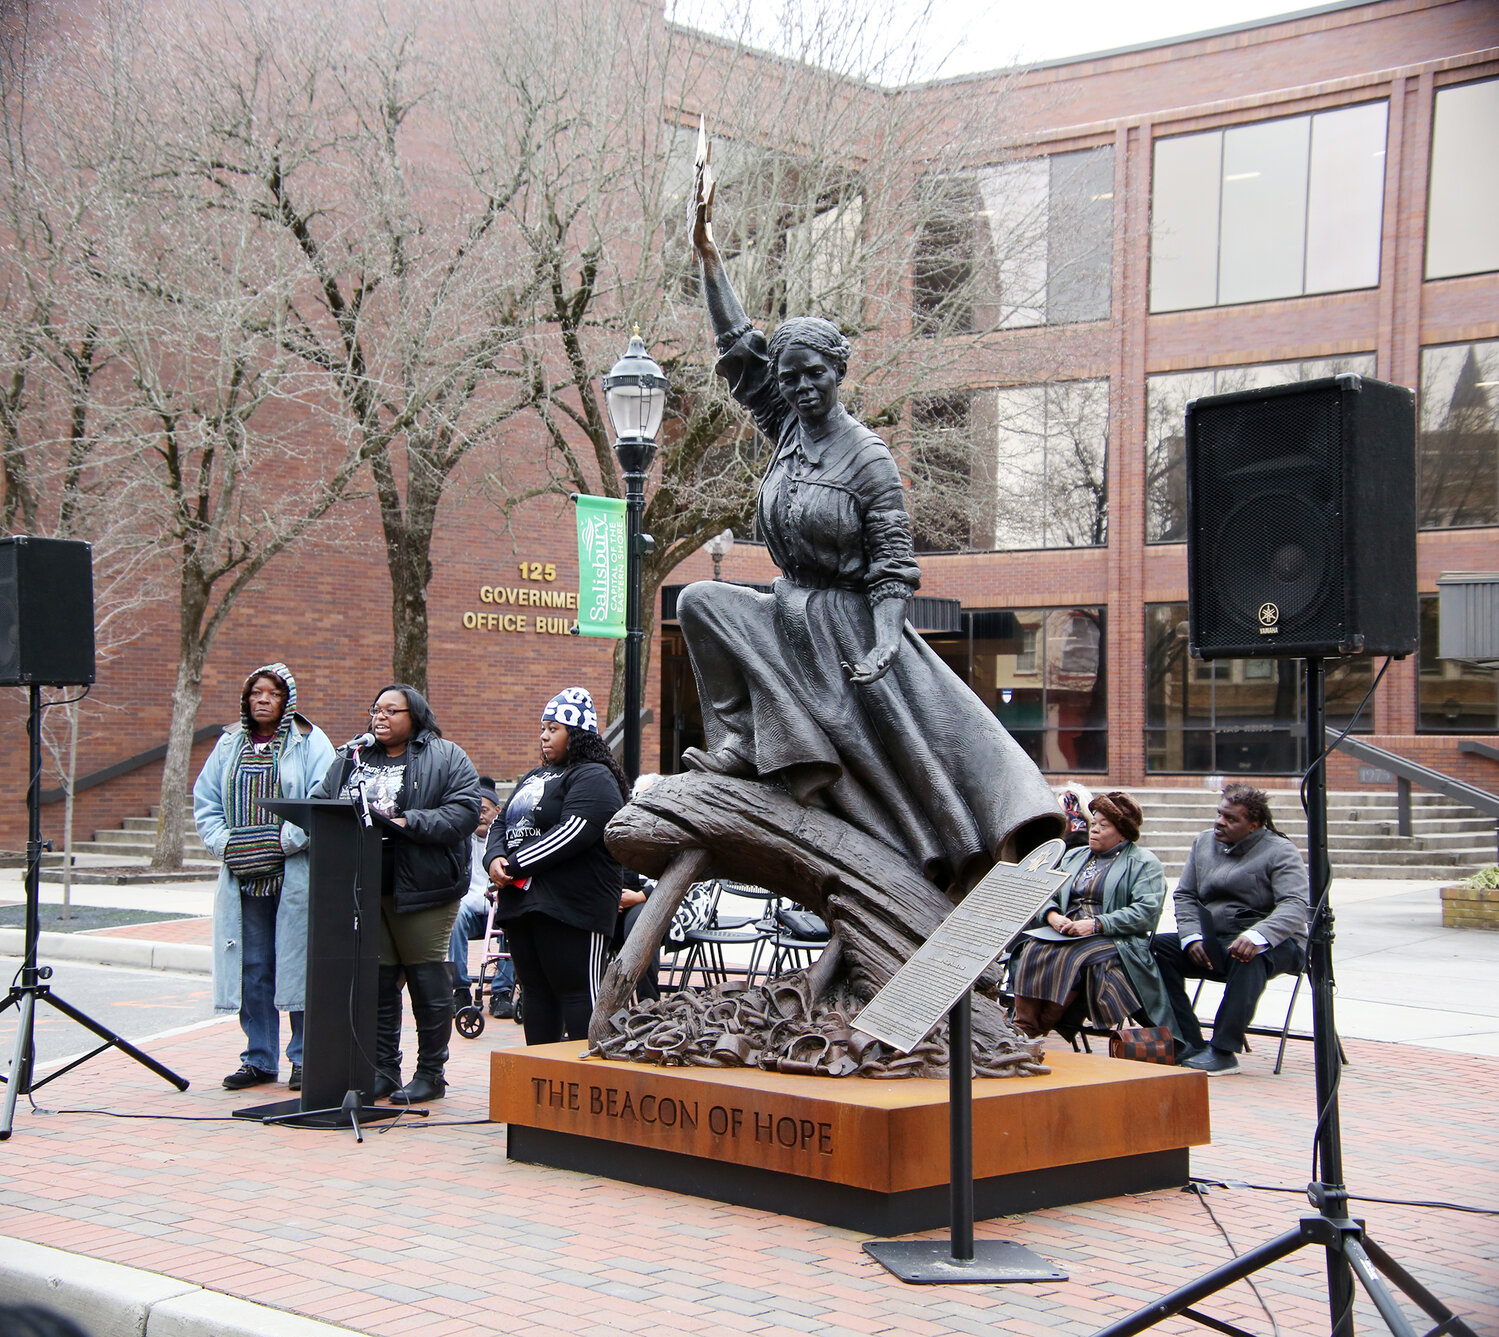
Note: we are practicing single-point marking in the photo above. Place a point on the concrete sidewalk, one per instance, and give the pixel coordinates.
(143, 1210)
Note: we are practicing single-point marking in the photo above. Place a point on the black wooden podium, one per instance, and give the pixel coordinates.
(343, 935)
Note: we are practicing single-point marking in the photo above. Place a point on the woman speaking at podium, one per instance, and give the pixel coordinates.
(414, 778)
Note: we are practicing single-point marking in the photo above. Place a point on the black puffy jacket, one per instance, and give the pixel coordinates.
(572, 876)
(440, 802)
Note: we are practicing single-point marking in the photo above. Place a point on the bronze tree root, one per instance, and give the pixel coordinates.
(880, 908)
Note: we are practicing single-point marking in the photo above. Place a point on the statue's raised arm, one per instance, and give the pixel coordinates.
(724, 309)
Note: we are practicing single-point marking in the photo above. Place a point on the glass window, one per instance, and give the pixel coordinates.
(1262, 238)
(1166, 400)
(1269, 210)
(947, 238)
(1042, 672)
(1184, 222)
(946, 507)
(1462, 220)
(1016, 196)
(1457, 442)
(1079, 256)
(1018, 244)
(1227, 716)
(1453, 696)
(1345, 194)
(1051, 481)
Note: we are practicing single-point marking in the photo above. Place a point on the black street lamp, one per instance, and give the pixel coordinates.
(718, 548)
(635, 396)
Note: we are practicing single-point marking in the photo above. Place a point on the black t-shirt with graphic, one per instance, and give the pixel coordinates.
(520, 811)
(382, 778)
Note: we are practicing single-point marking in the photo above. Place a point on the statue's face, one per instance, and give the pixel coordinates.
(808, 383)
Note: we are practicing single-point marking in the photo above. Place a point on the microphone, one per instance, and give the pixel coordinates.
(364, 740)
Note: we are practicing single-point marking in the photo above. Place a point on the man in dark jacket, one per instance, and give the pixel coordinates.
(1241, 917)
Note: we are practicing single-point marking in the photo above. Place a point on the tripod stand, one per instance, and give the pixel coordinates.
(32, 987)
(1350, 1252)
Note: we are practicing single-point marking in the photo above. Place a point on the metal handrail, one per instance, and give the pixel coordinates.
(1479, 749)
(119, 768)
(614, 733)
(1408, 773)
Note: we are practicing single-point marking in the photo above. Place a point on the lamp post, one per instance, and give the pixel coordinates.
(718, 548)
(635, 396)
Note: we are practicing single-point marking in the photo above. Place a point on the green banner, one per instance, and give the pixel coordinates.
(602, 566)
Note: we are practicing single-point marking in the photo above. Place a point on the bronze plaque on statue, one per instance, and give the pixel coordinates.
(987, 920)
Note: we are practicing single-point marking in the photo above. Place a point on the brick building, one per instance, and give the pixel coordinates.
(1268, 203)
(1271, 202)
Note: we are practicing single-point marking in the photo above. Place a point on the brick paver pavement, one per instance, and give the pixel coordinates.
(426, 1230)
(197, 931)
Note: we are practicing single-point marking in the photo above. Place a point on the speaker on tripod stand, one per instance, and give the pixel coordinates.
(1301, 544)
(46, 639)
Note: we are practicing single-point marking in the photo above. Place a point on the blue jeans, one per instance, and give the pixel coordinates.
(469, 925)
(258, 1017)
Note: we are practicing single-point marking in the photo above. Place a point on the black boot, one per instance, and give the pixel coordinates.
(432, 1005)
(387, 1033)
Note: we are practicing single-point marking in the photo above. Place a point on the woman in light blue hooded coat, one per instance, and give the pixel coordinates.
(260, 906)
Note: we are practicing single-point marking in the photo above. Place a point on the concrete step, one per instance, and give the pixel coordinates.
(1348, 839)
(1390, 857)
(1442, 873)
(147, 838)
(1291, 812)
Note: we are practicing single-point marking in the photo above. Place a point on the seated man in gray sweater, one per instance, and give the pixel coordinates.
(1241, 917)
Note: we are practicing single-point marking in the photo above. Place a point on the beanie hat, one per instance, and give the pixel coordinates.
(573, 708)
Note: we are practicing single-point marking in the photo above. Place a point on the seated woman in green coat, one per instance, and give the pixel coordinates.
(1088, 954)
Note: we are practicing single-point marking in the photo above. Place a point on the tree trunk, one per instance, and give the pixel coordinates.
(408, 554)
(410, 570)
(175, 781)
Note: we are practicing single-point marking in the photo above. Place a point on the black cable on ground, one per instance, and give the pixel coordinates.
(1352, 1197)
(1197, 1187)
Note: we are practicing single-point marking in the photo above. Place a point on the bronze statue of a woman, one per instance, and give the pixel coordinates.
(846, 765)
(823, 686)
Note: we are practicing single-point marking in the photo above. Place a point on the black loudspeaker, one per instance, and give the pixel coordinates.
(1301, 521)
(46, 612)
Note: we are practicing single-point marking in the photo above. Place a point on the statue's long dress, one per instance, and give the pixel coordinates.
(915, 760)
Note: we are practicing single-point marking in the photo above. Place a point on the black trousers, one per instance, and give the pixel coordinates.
(559, 968)
(1243, 981)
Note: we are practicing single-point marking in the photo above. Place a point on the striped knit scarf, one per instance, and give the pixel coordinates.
(253, 853)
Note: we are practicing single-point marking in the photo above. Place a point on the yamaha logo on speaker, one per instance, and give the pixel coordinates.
(1269, 619)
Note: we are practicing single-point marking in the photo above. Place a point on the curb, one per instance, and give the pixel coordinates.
(135, 953)
(111, 1300)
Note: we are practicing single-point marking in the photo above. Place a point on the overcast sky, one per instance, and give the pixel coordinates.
(993, 34)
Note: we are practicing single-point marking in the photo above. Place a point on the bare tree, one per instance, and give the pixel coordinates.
(52, 423)
(182, 409)
(819, 153)
(336, 138)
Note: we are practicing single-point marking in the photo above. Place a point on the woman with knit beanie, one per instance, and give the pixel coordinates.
(1088, 954)
(559, 886)
(260, 905)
